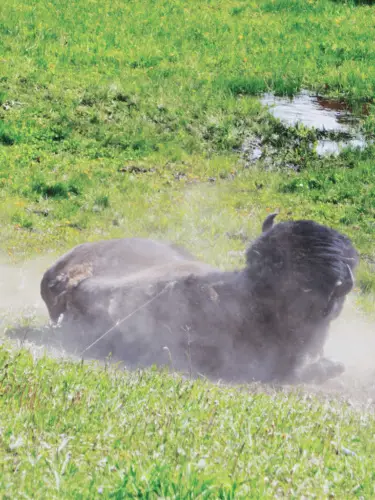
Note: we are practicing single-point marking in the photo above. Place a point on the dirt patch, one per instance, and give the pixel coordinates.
(352, 341)
(19, 289)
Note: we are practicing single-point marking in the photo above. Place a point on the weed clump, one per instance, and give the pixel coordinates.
(57, 190)
(20, 220)
(102, 201)
(7, 136)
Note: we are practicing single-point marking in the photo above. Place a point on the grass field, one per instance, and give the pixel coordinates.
(72, 431)
(123, 118)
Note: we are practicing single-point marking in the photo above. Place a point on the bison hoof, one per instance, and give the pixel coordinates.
(321, 371)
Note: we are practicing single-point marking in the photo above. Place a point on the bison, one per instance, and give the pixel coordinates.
(258, 323)
(108, 258)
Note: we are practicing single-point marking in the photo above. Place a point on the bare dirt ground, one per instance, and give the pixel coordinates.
(351, 341)
(19, 287)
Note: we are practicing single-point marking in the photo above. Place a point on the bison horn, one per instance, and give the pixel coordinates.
(268, 221)
(343, 287)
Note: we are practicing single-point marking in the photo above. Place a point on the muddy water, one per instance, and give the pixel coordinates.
(326, 115)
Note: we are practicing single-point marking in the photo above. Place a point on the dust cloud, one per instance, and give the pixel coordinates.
(351, 340)
(19, 289)
(23, 314)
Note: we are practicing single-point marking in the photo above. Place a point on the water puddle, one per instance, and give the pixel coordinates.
(331, 117)
(331, 147)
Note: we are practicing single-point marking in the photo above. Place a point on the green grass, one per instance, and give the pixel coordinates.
(76, 431)
(88, 89)
(123, 118)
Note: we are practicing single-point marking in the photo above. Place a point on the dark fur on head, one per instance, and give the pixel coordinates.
(300, 272)
(319, 255)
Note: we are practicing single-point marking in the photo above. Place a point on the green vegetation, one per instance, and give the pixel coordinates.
(127, 117)
(88, 89)
(72, 431)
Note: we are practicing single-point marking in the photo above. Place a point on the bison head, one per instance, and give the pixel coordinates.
(301, 271)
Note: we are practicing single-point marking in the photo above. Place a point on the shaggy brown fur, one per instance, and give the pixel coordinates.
(113, 258)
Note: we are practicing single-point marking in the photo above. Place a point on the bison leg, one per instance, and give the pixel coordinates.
(319, 372)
